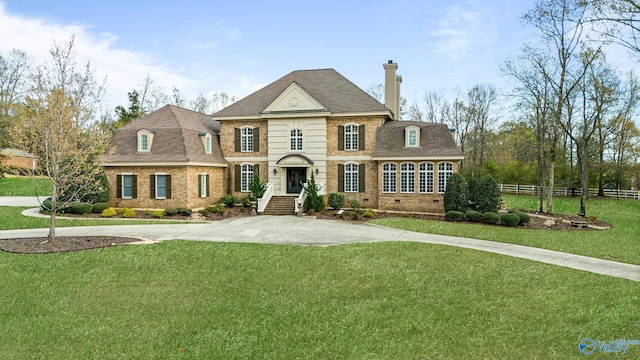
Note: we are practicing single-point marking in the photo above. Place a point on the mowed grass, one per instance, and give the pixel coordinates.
(24, 186)
(11, 219)
(199, 300)
(620, 243)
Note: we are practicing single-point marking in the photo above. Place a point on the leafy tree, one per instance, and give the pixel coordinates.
(58, 118)
(127, 115)
(487, 195)
(456, 196)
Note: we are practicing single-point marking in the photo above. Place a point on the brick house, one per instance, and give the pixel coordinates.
(309, 121)
(18, 158)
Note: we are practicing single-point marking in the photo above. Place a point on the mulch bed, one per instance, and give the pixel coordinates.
(40, 245)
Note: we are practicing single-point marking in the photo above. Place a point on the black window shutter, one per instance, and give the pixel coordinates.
(119, 187)
(200, 194)
(152, 186)
(361, 137)
(168, 182)
(256, 139)
(361, 177)
(340, 137)
(340, 178)
(236, 139)
(207, 185)
(134, 186)
(256, 169)
(237, 179)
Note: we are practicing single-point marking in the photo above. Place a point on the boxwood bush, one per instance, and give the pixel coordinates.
(456, 196)
(98, 208)
(473, 215)
(487, 195)
(217, 209)
(158, 214)
(453, 215)
(109, 212)
(490, 218)
(170, 211)
(336, 200)
(524, 217)
(229, 200)
(129, 213)
(81, 208)
(510, 219)
(184, 211)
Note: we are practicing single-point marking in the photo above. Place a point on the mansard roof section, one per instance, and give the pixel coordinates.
(436, 140)
(177, 137)
(327, 87)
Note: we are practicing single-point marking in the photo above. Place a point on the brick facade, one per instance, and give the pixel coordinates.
(184, 187)
(227, 138)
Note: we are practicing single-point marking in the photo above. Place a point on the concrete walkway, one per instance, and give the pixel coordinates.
(316, 232)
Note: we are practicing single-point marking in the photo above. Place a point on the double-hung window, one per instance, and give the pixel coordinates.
(351, 177)
(203, 188)
(426, 178)
(161, 186)
(445, 170)
(246, 139)
(351, 137)
(246, 177)
(296, 140)
(127, 186)
(389, 175)
(407, 177)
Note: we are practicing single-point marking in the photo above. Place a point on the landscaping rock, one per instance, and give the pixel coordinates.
(549, 223)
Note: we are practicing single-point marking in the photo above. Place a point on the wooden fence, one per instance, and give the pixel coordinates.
(534, 190)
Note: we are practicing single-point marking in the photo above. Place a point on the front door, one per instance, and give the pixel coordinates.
(295, 178)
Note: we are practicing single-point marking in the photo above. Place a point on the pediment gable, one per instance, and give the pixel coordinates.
(294, 99)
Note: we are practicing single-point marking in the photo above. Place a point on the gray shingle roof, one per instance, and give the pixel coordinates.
(176, 138)
(17, 153)
(435, 140)
(327, 86)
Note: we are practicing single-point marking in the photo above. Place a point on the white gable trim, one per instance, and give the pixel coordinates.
(296, 99)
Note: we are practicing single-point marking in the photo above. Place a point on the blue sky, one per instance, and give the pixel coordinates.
(240, 46)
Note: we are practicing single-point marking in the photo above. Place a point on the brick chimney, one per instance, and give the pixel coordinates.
(392, 88)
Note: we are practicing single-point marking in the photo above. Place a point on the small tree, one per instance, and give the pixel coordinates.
(487, 195)
(314, 201)
(57, 126)
(257, 187)
(456, 196)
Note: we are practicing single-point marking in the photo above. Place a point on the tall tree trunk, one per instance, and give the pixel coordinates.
(541, 178)
(52, 217)
(552, 165)
(584, 177)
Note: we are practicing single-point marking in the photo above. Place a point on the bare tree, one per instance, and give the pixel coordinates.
(619, 21)
(14, 69)
(480, 99)
(436, 106)
(58, 119)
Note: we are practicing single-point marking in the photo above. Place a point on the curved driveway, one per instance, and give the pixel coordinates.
(316, 232)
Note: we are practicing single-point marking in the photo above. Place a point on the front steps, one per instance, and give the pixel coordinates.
(281, 205)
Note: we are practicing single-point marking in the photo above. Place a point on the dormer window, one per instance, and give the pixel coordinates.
(206, 141)
(145, 138)
(412, 136)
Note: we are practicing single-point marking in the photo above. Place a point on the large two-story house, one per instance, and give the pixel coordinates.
(309, 121)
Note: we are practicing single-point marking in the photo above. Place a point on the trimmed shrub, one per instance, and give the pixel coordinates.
(109, 212)
(456, 196)
(157, 214)
(129, 213)
(217, 209)
(490, 218)
(203, 212)
(246, 201)
(147, 212)
(472, 186)
(487, 195)
(524, 217)
(81, 208)
(121, 211)
(355, 204)
(228, 200)
(184, 211)
(453, 215)
(369, 214)
(98, 208)
(473, 215)
(170, 212)
(336, 200)
(46, 205)
(510, 219)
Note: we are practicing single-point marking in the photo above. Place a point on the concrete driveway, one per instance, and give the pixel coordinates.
(316, 232)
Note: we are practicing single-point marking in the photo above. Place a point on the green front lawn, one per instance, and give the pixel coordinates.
(197, 300)
(24, 186)
(620, 243)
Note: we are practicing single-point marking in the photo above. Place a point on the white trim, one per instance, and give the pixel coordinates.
(357, 180)
(302, 115)
(203, 186)
(155, 185)
(163, 163)
(407, 131)
(420, 158)
(238, 117)
(362, 114)
(249, 139)
(122, 189)
(247, 159)
(149, 136)
(393, 172)
(350, 158)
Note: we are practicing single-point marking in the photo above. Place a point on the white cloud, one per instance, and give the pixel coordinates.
(459, 29)
(124, 69)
